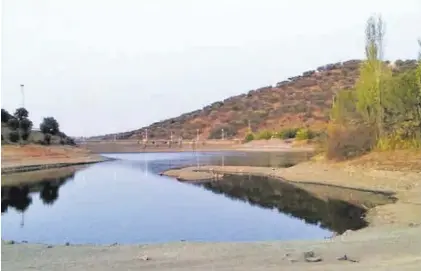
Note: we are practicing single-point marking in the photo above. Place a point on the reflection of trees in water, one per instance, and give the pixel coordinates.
(333, 214)
(49, 193)
(19, 197)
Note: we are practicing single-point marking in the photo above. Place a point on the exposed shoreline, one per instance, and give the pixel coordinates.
(34, 157)
(406, 186)
(391, 241)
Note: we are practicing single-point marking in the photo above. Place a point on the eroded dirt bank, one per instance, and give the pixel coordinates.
(35, 157)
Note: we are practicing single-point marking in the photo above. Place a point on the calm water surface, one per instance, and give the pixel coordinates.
(126, 201)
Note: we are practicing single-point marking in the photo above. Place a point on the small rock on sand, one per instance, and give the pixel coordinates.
(346, 258)
(144, 258)
(313, 259)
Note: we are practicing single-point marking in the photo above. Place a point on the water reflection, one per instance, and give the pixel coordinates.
(148, 163)
(313, 205)
(19, 196)
(130, 207)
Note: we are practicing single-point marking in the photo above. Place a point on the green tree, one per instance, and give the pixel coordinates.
(49, 126)
(26, 125)
(21, 113)
(373, 75)
(13, 124)
(5, 116)
(14, 136)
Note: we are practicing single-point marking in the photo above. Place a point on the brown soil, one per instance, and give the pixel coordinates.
(14, 157)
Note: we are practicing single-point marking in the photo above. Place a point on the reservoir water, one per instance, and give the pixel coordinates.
(126, 201)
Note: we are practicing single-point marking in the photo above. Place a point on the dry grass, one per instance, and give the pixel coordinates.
(398, 160)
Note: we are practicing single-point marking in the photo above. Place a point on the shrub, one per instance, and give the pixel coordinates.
(347, 142)
(14, 136)
(265, 134)
(5, 116)
(25, 135)
(13, 124)
(302, 134)
(249, 137)
(70, 141)
(47, 139)
(288, 133)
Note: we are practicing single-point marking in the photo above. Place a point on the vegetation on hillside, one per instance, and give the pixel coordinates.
(382, 111)
(17, 128)
(300, 102)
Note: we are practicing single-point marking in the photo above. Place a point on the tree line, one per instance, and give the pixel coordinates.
(382, 111)
(21, 128)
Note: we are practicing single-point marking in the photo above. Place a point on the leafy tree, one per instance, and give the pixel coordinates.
(373, 74)
(383, 110)
(25, 135)
(14, 136)
(21, 113)
(5, 116)
(49, 126)
(26, 125)
(49, 193)
(13, 124)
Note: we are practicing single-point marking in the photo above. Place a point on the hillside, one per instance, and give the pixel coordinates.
(299, 101)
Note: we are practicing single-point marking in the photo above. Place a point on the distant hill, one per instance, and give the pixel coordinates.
(299, 101)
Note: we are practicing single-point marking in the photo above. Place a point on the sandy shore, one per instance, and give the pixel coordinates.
(405, 185)
(35, 157)
(391, 242)
(383, 248)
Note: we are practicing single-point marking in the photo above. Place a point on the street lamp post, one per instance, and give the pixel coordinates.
(23, 94)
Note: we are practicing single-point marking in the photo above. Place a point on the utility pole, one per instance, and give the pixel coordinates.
(23, 95)
(222, 134)
(23, 106)
(146, 134)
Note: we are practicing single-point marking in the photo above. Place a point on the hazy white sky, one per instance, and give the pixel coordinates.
(103, 66)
